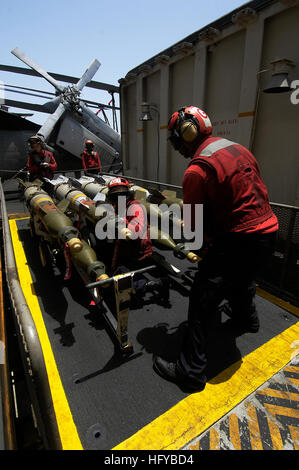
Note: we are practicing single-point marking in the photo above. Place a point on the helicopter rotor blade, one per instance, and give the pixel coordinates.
(22, 92)
(88, 74)
(24, 58)
(23, 105)
(28, 89)
(50, 123)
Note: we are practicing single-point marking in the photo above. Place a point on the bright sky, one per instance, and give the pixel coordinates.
(63, 36)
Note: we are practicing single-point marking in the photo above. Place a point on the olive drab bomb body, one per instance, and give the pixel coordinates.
(49, 221)
(76, 200)
(160, 238)
(53, 226)
(95, 189)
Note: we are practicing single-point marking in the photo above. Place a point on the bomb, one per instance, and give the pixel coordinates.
(97, 191)
(56, 230)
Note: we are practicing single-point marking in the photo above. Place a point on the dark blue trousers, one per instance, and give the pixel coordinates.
(227, 272)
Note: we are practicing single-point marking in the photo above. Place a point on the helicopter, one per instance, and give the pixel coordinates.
(71, 120)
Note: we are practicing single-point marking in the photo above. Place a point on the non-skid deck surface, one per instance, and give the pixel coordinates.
(267, 420)
(111, 398)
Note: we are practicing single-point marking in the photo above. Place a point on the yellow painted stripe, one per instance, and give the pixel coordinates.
(139, 130)
(281, 410)
(214, 439)
(194, 446)
(254, 430)
(163, 127)
(17, 216)
(277, 443)
(295, 381)
(269, 392)
(41, 199)
(294, 436)
(294, 369)
(23, 218)
(67, 429)
(197, 412)
(234, 431)
(277, 301)
(78, 195)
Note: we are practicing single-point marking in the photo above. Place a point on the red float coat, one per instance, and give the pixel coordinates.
(91, 160)
(225, 178)
(36, 170)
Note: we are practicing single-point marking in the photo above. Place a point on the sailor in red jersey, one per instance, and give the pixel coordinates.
(41, 162)
(90, 158)
(240, 231)
(136, 251)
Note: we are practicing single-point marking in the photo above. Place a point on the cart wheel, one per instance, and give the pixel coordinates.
(127, 349)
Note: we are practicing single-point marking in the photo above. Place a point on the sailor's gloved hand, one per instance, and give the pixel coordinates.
(126, 233)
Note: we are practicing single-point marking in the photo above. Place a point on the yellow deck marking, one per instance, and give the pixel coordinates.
(269, 392)
(195, 446)
(234, 432)
(295, 436)
(22, 218)
(277, 443)
(67, 429)
(275, 410)
(277, 301)
(17, 215)
(295, 381)
(253, 426)
(214, 439)
(294, 369)
(196, 413)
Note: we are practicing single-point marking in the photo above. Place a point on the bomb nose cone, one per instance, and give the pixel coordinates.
(103, 277)
(193, 257)
(75, 245)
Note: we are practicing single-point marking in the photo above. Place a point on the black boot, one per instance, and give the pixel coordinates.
(169, 371)
(159, 285)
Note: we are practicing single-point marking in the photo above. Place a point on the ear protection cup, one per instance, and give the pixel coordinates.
(189, 131)
(187, 125)
(187, 128)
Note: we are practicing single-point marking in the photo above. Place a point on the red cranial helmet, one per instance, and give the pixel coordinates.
(118, 186)
(35, 139)
(89, 144)
(187, 125)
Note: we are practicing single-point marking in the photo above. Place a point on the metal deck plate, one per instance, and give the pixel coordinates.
(267, 420)
(111, 399)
